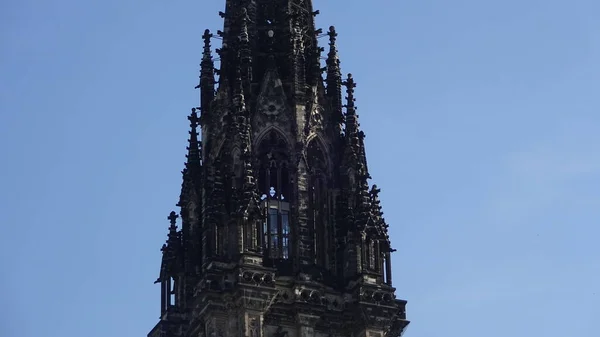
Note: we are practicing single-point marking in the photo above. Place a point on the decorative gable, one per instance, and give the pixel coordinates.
(272, 98)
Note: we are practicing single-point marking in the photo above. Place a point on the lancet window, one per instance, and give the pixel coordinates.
(169, 292)
(215, 230)
(387, 264)
(172, 291)
(274, 184)
(319, 203)
(371, 255)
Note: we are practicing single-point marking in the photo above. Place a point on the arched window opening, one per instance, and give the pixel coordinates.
(373, 259)
(319, 204)
(388, 268)
(172, 291)
(274, 184)
(367, 256)
(382, 266)
(220, 204)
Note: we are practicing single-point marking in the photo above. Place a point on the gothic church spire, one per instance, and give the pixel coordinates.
(280, 232)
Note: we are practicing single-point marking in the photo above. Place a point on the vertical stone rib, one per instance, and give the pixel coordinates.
(334, 80)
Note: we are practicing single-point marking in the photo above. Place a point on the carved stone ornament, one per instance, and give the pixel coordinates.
(272, 100)
(316, 118)
(316, 110)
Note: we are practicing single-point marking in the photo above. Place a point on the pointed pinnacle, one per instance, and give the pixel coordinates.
(193, 118)
(350, 107)
(207, 36)
(172, 218)
(332, 38)
(173, 227)
(193, 155)
(350, 85)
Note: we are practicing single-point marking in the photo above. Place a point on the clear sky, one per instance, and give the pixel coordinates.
(482, 123)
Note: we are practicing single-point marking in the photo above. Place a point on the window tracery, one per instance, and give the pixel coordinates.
(275, 187)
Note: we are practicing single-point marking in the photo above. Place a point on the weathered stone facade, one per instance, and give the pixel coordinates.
(280, 233)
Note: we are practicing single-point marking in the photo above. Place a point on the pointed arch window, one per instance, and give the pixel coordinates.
(373, 257)
(275, 186)
(386, 262)
(319, 204)
(168, 292)
(370, 255)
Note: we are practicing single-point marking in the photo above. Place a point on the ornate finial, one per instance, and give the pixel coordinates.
(375, 190)
(207, 74)
(334, 79)
(332, 36)
(193, 155)
(173, 237)
(376, 203)
(193, 118)
(332, 56)
(207, 36)
(350, 85)
(353, 133)
(193, 165)
(355, 148)
(173, 219)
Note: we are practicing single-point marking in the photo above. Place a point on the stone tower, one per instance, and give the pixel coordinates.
(281, 234)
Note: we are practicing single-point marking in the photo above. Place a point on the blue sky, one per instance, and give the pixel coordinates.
(481, 120)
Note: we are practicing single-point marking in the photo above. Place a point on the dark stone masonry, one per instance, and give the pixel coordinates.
(281, 234)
